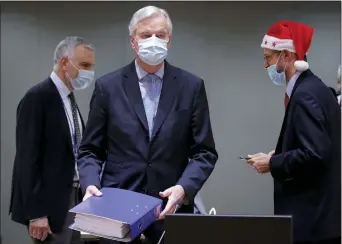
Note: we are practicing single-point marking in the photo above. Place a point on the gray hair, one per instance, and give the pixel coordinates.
(147, 12)
(67, 48)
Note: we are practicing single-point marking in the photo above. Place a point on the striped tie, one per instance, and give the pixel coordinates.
(77, 131)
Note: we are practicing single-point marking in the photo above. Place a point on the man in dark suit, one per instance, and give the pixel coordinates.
(146, 121)
(306, 164)
(45, 182)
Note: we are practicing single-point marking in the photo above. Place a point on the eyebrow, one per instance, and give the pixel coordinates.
(87, 63)
(162, 31)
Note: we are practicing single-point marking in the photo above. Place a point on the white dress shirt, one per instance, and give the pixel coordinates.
(64, 93)
(141, 73)
(339, 99)
(292, 82)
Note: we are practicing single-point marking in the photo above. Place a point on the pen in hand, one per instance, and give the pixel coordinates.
(244, 158)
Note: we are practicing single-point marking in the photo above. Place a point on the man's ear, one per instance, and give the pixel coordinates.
(169, 42)
(287, 54)
(63, 63)
(132, 40)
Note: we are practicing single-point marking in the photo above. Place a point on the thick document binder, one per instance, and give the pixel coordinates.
(118, 214)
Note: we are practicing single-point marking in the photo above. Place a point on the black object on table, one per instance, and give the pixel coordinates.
(223, 229)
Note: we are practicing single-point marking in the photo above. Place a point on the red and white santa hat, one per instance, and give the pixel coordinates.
(292, 36)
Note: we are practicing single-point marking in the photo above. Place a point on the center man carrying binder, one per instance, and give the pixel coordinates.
(146, 121)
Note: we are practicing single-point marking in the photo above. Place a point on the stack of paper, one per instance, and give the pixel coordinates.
(118, 214)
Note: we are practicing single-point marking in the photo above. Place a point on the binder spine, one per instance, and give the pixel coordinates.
(139, 226)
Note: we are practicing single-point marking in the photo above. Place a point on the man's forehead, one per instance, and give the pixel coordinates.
(82, 49)
(154, 24)
(268, 52)
(84, 53)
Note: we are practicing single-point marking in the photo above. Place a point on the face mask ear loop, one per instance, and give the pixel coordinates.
(78, 70)
(135, 48)
(279, 58)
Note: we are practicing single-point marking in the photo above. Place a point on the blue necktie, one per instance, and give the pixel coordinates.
(151, 99)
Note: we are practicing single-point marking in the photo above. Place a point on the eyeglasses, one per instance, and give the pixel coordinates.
(269, 56)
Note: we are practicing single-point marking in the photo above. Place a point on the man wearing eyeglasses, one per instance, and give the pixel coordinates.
(306, 164)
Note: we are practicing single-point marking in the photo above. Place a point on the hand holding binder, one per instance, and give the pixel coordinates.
(92, 191)
(174, 195)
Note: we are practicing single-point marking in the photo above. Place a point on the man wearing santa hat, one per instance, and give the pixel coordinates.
(306, 164)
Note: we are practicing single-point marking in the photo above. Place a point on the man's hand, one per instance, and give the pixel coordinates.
(40, 229)
(91, 191)
(260, 161)
(173, 194)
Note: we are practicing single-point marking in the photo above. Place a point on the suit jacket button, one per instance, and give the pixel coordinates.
(150, 165)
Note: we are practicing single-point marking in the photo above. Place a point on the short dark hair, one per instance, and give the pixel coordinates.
(305, 57)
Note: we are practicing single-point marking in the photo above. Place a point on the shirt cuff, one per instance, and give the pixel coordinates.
(32, 220)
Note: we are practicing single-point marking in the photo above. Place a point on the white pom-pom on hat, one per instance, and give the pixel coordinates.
(301, 65)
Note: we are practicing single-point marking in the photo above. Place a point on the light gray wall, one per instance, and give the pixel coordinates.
(217, 41)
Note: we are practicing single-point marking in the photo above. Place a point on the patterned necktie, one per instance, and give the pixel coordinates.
(77, 131)
(151, 100)
(286, 100)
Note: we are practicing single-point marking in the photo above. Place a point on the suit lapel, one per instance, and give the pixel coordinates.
(283, 127)
(169, 89)
(131, 87)
(59, 109)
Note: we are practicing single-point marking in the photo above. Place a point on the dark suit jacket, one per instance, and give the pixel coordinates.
(117, 132)
(44, 163)
(306, 166)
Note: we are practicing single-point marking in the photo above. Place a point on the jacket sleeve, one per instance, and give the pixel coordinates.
(28, 158)
(203, 155)
(92, 150)
(313, 142)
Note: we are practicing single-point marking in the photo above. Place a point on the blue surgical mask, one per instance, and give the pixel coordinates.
(276, 78)
(83, 79)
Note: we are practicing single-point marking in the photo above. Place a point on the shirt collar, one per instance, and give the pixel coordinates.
(292, 82)
(141, 73)
(61, 87)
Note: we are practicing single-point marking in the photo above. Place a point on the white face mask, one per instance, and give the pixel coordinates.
(83, 79)
(153, 50)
